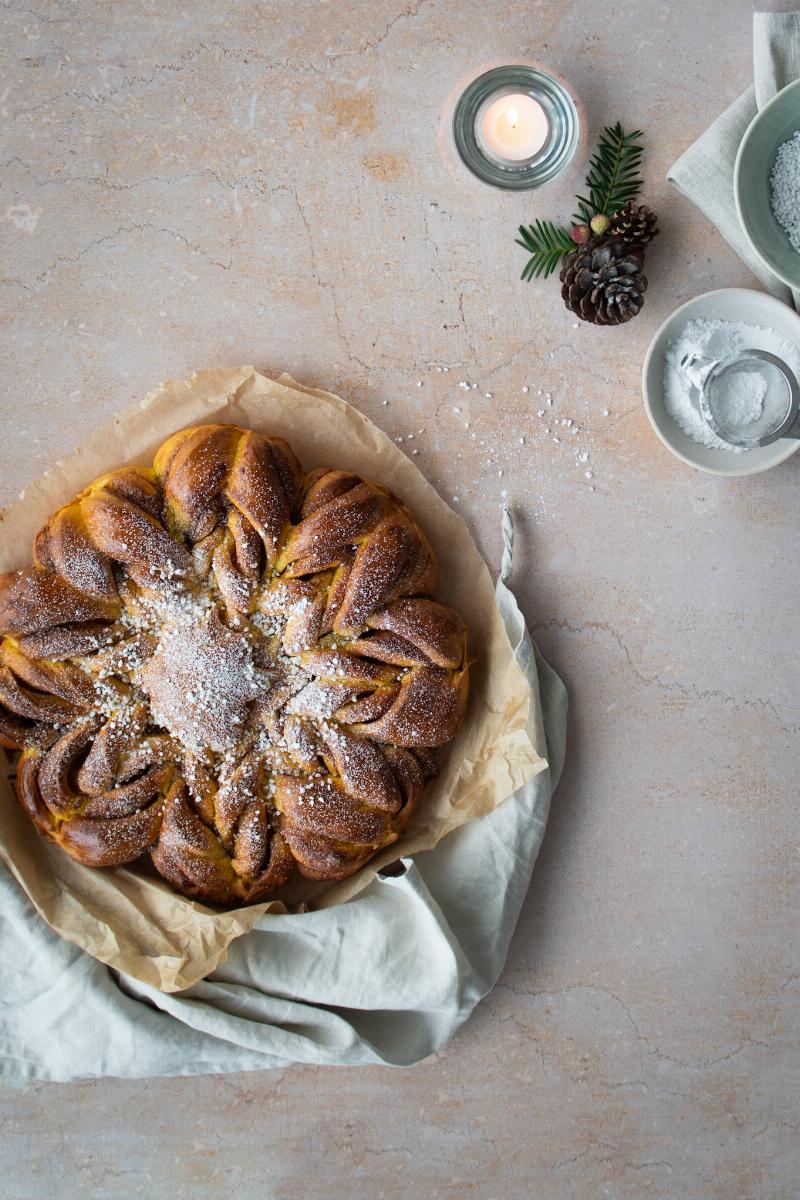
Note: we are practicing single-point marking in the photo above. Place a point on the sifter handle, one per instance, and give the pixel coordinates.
(697, 368)
(794, 430)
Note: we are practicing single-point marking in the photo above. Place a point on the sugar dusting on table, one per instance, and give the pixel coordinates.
(526, 421)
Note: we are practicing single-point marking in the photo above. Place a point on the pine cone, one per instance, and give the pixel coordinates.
(636, 224)
(602, 282)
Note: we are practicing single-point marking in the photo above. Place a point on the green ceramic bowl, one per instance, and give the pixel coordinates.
(774, 124)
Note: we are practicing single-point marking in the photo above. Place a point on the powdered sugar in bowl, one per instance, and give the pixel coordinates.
(714, 324)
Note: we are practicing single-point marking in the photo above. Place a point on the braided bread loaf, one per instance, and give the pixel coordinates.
(230, 665)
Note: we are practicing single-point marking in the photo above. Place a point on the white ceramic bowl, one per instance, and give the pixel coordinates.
(773, 125)
(727, 304)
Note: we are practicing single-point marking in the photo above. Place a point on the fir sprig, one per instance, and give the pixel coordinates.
(613, 177)
(547, 244)
(612, 181)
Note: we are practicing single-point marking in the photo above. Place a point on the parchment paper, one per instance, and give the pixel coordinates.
(132, 920)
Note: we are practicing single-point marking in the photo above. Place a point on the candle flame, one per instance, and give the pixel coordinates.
(513, 115)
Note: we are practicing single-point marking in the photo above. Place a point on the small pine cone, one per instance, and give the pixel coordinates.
(636, 224)
(602, 282)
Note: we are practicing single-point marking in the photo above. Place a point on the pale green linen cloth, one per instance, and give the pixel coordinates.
(704, 172)
(385, 978)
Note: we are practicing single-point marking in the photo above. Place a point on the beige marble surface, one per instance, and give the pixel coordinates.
(219, 183)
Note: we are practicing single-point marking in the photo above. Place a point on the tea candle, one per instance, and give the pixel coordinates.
(512, 128)
(516, 127)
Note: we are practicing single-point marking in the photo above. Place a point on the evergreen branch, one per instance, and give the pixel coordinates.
(613, 177)
(547, 244)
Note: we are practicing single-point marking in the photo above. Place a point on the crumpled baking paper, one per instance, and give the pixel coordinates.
(133, 921)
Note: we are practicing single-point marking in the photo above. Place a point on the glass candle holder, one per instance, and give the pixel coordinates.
(516, 127)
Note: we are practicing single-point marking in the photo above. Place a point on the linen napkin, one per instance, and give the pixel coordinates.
(385, 978)
(704, 173)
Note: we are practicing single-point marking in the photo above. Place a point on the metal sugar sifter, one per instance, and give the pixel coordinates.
(711, 382)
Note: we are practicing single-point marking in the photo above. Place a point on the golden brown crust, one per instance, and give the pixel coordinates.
(229, 665)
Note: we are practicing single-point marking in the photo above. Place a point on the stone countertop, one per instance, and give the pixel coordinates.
(268, 183)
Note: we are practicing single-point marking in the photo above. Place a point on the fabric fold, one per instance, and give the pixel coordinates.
(704, 172)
